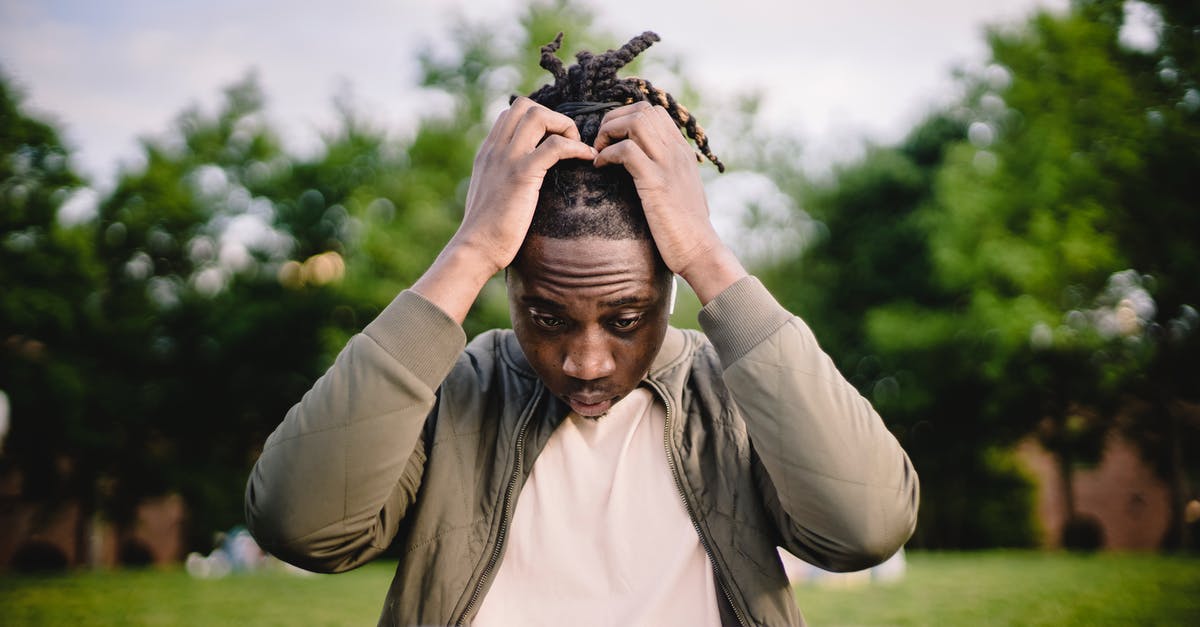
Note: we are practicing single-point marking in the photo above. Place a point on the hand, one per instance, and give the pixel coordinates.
(526, 140)
(644, 139)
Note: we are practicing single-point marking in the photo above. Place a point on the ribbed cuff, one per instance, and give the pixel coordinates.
(740, 318)
(420, 335)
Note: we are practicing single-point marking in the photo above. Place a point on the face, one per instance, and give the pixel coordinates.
(590, 315)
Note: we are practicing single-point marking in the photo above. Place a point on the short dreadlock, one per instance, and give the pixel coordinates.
(576, 199)
(593, 79)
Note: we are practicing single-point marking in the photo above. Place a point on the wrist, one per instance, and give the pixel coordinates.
(472, 256)
(711, 273)
(455, 279)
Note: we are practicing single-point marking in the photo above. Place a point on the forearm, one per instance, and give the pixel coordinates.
(318, 493)
(847, 490)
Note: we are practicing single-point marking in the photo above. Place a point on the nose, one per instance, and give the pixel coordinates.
(588, 357)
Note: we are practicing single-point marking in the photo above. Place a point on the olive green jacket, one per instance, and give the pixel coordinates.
(409, 437)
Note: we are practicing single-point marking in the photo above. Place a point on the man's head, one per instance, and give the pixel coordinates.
(589, 294)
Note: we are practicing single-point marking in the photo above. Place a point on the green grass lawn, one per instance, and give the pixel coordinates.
(994, 588)
(1020, 588)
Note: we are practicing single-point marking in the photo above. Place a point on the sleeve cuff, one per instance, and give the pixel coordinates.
(740, 318)
(420, 335)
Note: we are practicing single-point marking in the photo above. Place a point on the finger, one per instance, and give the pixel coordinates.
(625, 110)
(507, 121)
(630, 155)
(538, 122)
(557, 148)
(639, 126)
(669, 131)
(616, 114)
(497, 126)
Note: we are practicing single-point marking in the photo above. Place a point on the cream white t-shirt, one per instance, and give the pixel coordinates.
(600, 535)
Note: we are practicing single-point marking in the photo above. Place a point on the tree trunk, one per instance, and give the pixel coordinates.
(1179, 537)
(1066, 476)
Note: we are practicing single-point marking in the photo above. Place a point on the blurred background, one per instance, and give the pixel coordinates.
(987, 212)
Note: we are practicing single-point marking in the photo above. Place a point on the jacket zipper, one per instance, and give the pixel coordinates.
(504, 521)
(691, 513)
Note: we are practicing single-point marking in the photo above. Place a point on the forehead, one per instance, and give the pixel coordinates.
(585, 269)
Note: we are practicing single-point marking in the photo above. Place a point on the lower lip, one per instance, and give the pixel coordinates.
(590, 409)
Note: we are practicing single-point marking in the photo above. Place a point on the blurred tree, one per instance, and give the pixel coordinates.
(1083, 145)
(1159, 231)
(1071, 171)
(1021, 227)
(209, 326)
(990, 254)
(48, 279)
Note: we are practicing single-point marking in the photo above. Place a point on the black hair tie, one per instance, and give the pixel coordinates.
(584, 107)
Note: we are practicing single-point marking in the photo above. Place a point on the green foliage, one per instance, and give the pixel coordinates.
(47, 274)
(204, 346)
(973, 281)
(1073, 175)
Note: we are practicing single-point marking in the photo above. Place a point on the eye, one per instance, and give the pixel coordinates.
(546, 322)
(626, 323)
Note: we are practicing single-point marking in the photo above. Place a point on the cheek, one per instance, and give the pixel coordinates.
(635, 355)
(632, 355)
(545, 357)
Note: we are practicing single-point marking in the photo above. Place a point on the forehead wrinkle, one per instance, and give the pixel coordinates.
(592, 272)
(606, 293)
(580, 269)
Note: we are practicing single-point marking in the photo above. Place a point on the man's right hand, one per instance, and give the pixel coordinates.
(526, 140)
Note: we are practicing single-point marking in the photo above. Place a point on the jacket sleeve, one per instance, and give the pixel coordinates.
(337, 475)
(843, 492)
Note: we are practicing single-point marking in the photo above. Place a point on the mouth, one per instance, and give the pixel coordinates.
(590, 406)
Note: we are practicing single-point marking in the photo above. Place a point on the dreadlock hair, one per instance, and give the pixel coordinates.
(577, 199)
(593, 81)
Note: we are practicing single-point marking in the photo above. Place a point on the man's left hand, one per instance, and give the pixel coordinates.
(645, 140)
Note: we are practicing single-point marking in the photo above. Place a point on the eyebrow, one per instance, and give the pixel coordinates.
(626, 300)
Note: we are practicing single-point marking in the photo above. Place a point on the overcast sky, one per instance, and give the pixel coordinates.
(833, 72)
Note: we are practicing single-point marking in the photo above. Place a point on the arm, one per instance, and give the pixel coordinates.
(338, 475)
(844, 492)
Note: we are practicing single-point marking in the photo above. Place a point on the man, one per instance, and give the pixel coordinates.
(593, 465)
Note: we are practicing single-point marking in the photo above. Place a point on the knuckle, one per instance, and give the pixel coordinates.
(556, 142)
(536, 110)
